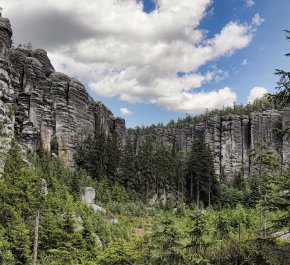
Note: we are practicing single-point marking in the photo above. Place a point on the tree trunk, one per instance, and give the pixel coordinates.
(35, 246)
(261, 224)
(191, 189)
(209, 198)
(197, 194)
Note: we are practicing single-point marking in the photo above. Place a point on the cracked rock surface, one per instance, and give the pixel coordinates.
(37, 103)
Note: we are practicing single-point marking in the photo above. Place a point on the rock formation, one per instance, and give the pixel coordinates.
(88, 198)
(38, 104)
(232, 138)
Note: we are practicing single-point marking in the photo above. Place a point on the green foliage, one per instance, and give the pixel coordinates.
(282, 97)
(69, 230)
(6, 256)
(99, 156)
(19, 195)
(165, 243)
(54, 145)
(119, 252)
(201, 179)
(12, 110)
(196, 232)
(278, 200)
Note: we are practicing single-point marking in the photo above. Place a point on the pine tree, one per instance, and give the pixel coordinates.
(127, 174)
(19, 188)
(179, 164)
(196, 231)
(282, 97)
(92, 155)
(165, 244)
(164, 167)
(146, 168)
(113, 152)
(201, 179)
(278, 200)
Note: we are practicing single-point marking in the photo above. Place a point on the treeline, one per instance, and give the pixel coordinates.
(155, 168)
(71, 233)
(262, 104)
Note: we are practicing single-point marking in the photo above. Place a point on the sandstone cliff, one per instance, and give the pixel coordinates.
(37, 103)
(232, 138)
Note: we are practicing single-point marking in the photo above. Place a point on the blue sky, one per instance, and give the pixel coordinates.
(130, 54)
(263, 55)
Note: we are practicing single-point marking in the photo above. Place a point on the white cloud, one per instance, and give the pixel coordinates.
(257, 20)
(125, 112)
(244, 62)
(249, 3)
(256, 93)
(121, 51)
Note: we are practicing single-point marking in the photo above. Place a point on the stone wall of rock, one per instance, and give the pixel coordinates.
(7, 116)
(232, 138)
(37, 103)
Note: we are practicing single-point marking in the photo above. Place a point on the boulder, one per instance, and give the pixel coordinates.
(88, 197)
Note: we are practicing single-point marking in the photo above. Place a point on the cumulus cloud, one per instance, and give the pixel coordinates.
(256, 93)
(257, 20)
(125, 112)
(244, 62)
(119, 50)
(249, 3)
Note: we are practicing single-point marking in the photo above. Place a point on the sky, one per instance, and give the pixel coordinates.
(151, 61)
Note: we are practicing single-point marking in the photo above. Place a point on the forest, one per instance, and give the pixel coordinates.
(195, 217)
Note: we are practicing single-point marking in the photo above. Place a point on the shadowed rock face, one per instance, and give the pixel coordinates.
(37, 103)
(231, 138)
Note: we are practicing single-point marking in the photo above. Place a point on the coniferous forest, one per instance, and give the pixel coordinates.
(156, 205)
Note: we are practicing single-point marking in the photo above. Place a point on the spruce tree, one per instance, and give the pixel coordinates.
(113, 152)
(282, 97)
(127, 174)
(201, 179)
(19, 188)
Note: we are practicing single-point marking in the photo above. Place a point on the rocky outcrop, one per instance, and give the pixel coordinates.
(7, 106)
(88, 198)
(38, 104)
(231, 138)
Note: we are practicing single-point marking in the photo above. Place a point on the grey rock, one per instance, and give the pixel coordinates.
(285, 236)
(159, 198)
(231, 138)
(48, 104)
(78, 223)
(89, 195)
(114, 221)
(154, 199)
(97, 208)
(98, 241)
(44, 187)
(38, 104)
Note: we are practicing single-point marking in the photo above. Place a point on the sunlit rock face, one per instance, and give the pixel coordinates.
(38, 104)
(231, 138)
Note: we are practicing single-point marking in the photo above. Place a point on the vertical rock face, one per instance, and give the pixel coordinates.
(38, 104)
(7, 107)
(231, 138)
